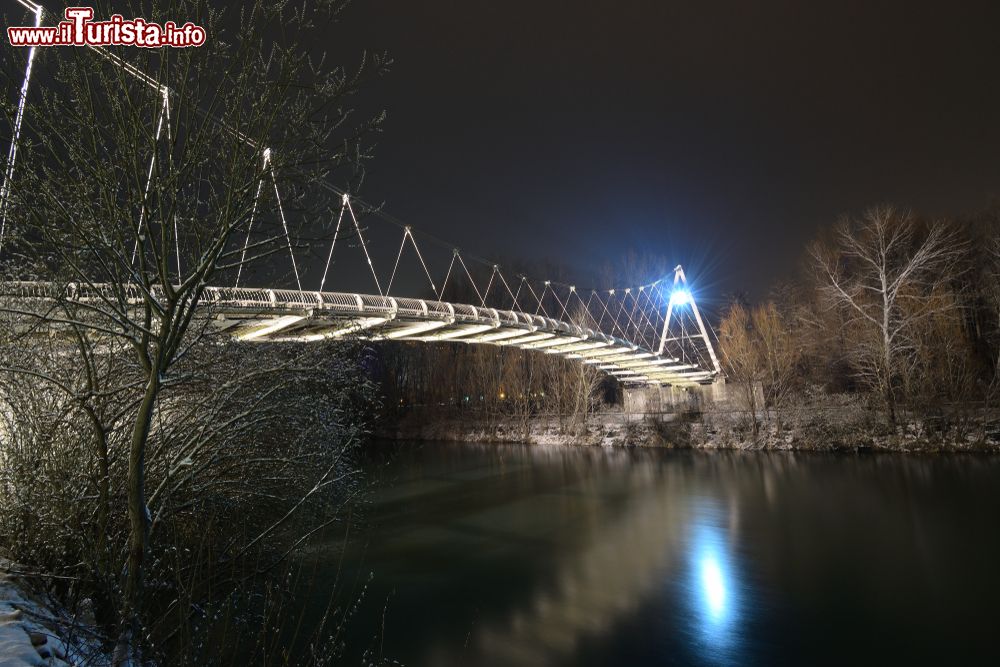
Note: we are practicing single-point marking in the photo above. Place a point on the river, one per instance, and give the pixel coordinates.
(534, 555)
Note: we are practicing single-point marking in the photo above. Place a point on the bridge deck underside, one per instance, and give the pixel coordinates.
(311, 316)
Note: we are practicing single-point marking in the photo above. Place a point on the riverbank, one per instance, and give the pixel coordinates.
(34, 632)
(833, 427)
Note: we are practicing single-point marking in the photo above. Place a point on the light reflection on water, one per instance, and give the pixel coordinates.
(505, 555)
(713, 586)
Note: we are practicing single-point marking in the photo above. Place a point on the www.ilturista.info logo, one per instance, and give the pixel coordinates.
(79, 30)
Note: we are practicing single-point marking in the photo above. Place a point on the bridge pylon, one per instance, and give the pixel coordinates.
(682, 299)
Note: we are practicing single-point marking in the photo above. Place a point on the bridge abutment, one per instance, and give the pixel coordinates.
(667, 399)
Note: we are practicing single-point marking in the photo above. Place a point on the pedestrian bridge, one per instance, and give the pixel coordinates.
(643, 334)
(294, 316)
(288, 315)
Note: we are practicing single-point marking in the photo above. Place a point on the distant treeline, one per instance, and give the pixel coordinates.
(901, 310)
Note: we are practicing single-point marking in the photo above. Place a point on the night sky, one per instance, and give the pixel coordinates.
(721, 134)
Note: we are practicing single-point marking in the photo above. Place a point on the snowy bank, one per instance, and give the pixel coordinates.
(37, 634)
(825, 427)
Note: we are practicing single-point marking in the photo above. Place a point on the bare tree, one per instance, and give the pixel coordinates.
(779, 356)
(742, 360)
(584, 379)
(140, 191)
(880, 273)
(992, 280)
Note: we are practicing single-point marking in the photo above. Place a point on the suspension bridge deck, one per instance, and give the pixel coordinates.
(279, 315)
(294, 316)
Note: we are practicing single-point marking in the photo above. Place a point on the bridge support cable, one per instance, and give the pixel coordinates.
(253, 214)
(615, 324)
(469, 276)
(170, 143)
(648, 331)
(643, 322)
(399, 255)
(638, 316)
(489, 285)
(541, 304)
(514, 304)
(573, 291)
(615, 315)
(621, 315)
(364, 246)
(621, 311)
(454, 254)
(22, 101)
(657, 320)
(607, 312)
(652, 305)
(604, 309)
(520, 286)
(39, 11)
(562, 306)
(631, 324)
(420, 256)
(408, 234)
(333, 244)
(281, 213)
(164, 114)
(589, 320)
(590, 313)
(661, 299)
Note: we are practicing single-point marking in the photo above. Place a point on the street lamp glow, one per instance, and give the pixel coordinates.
(680, 297)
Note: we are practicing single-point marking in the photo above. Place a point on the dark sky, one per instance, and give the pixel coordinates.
(721, 134)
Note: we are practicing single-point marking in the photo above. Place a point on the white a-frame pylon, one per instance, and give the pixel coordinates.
(680, 296)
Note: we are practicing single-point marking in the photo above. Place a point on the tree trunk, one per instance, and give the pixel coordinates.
(131, 623)
(890, 398)
(890, 405)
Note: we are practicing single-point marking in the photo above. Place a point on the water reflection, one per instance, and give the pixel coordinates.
(714, 591)
(714, 587)
(609, 557)
(529, 556)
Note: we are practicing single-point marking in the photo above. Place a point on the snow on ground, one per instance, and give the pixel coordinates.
(27, 635)
(21, 641)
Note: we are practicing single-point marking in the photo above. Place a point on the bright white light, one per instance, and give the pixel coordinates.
(715, 590)
(680, 297)
(714, 585)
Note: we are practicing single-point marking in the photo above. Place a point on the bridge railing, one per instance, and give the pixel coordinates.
(254, 298)
(260, 301)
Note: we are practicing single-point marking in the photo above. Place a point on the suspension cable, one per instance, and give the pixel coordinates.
(336, 232)
(364, 246)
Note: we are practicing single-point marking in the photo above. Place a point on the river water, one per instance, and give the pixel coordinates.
(535, 555)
